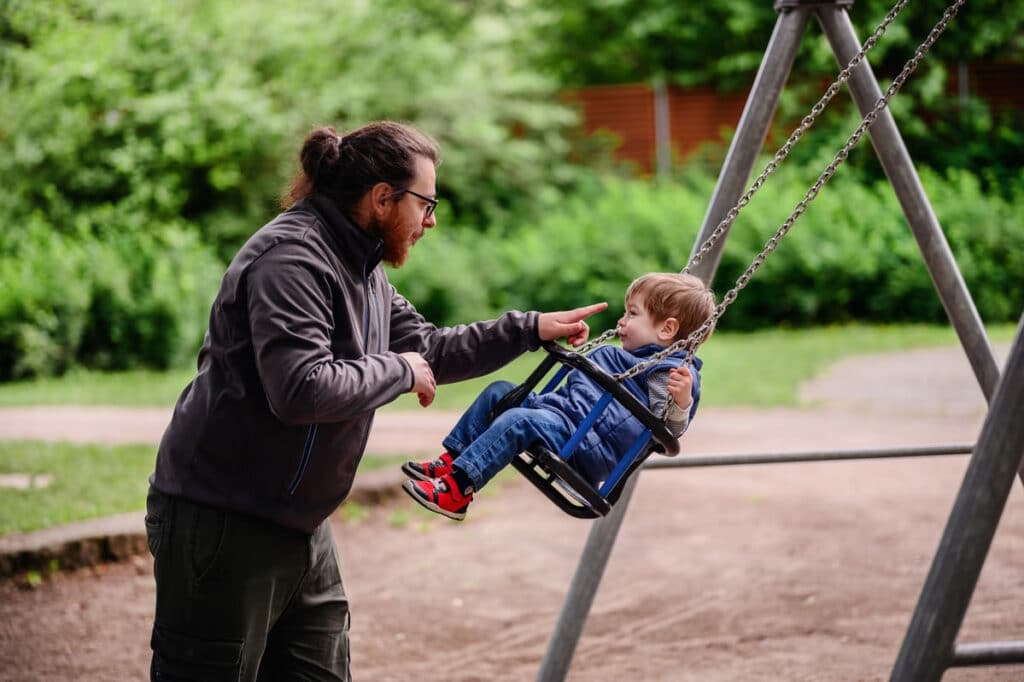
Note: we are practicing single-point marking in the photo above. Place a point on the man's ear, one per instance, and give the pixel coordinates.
(669, 328)
(380, 195)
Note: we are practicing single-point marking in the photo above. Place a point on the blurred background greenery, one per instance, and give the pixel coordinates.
(141, 143)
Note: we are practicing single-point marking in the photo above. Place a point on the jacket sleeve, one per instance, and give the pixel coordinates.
(463, 351)
(677, 420)
(291, 321)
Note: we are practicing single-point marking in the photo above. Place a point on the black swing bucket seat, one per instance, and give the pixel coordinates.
(551, 473)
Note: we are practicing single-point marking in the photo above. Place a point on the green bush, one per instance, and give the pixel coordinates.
(43, 303)
(122, 114)
(150, 300)
(198, 112)
(126, 300)
(851, 256)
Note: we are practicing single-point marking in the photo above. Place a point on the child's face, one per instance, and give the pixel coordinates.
(637, 328)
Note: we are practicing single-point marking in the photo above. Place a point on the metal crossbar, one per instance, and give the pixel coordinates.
(740, 459)
(988, 653)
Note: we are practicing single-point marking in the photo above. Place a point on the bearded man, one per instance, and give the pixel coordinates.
(306, 339)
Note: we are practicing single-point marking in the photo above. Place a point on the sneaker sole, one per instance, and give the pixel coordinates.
(410, 488)
(412, 472)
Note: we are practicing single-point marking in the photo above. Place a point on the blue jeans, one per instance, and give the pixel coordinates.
(483, 448)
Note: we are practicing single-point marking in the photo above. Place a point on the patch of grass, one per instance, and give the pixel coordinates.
(136, 388)
(372, 462)
(91, 481)
(399, 518)
(87, 481)
(353, 512)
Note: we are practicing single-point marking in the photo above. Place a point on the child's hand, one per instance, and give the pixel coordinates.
(680, 384)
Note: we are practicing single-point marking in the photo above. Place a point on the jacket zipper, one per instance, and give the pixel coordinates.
(304, 461)
(380, 326)
(311, 433)
(366, 310)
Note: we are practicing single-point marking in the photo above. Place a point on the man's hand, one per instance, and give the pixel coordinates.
(567, 323)
(680, 384)
(423, 385)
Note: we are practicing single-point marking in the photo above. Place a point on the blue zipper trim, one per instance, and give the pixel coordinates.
(306, 450)
(367, 301)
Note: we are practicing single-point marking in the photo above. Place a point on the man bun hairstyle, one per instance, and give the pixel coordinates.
(674, 294)
(346, 166)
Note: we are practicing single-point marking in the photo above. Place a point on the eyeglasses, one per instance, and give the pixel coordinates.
(431, 202)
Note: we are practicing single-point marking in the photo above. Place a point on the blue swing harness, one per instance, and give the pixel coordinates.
(617, 421)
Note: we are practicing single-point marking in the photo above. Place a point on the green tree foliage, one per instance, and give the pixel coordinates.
(132, 134)
(195, 110)
(721, 42)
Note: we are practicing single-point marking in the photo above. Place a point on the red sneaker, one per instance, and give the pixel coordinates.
(424, 471)
(440, 495)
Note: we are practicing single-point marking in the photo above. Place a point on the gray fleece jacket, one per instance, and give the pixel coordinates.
(303, 345)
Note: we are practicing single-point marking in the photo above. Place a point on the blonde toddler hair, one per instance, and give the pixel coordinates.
(678, 295)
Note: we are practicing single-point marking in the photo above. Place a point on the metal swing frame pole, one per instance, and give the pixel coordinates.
(739, 163)
(896, 162)
(929, 647)
(751, 132)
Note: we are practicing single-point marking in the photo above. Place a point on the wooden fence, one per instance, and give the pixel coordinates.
(699, 115)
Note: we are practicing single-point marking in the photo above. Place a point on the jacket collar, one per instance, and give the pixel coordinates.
(354, 245)
(652, 348)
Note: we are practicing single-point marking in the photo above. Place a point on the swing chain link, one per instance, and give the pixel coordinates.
(805, 125)
(596, 341)
(691, 342)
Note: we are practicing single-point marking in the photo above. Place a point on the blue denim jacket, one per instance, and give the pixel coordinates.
(617, 429)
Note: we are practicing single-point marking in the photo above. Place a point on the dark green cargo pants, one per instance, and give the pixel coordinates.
(238, 598)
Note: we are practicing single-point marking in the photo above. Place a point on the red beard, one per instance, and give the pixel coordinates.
(396, 241)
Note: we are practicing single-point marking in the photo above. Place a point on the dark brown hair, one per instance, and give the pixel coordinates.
(678, 295)
(345, 167)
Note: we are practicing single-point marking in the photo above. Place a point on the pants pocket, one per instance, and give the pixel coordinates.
(207, 541)
(156, 506)
(184, 657)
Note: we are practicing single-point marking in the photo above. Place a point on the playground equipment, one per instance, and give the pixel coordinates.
(929, 647)
(551, 472)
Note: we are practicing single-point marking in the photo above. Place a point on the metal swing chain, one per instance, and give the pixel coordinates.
(780, 155)
(691, 343)
(596, 341)
(804, 126)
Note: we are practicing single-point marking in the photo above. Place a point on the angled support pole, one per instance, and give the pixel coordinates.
(928, 648)
(898, 166)
(566, 635)
(751, 132)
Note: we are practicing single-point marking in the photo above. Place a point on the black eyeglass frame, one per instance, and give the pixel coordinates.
(431, 201)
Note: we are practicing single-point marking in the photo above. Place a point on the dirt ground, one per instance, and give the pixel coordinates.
(771, 572)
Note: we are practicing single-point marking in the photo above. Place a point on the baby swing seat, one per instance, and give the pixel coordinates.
(551, 472)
